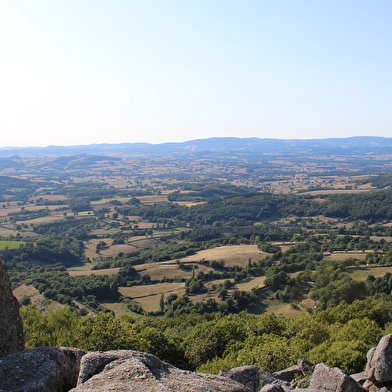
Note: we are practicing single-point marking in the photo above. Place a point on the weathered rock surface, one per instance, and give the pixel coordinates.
(272, 388)
(42, 369)
(246, 375)
(133, 371)
(266, 378)
(328, 379)
(379, 361)
(360, 377)
(289, 373)
(11, 326)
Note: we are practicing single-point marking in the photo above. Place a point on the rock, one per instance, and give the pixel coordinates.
(360, 377)
(133, 371)
(289, 373)
(272, 388)
(246, 375)
(327, 379)
(306, 366)
(298, 375)
(370, 386)
(379, 360)
(307, 390)
(42, 369)
(266, 378)
(11, 326)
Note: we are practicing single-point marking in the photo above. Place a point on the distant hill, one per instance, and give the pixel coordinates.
(332, 146)
(12, 182)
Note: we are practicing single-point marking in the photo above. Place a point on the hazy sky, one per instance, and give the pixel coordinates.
(112, 71)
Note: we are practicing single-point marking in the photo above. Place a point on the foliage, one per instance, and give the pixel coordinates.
(79, 204)
(338, 336)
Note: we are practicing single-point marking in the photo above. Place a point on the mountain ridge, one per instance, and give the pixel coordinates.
(349, 145)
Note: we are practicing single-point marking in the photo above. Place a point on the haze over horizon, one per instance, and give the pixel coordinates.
(75, 73)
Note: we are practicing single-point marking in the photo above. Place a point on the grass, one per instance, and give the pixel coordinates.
(378, 238)
(136, 292)
(5, 232)
(86, 270)
(148, 296)
(117, 307)
(10, 244)
(346, 255)
(232, 255)
(169, 269)
(45, 219)
(24, 289)
(35, 297)
(361, 273)
(113, 250)
(250, 283)
(271, 305)
(143, 242)
(152, 199)
(281, 309)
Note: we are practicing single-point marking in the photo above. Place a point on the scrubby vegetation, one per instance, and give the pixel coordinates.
(339, 336)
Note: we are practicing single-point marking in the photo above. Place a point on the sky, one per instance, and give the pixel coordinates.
(123, 71)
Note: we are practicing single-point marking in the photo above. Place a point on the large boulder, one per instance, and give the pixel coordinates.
(42, 369)
(379, 361)
(328, 379)
(11, 326)
(289, 373)
(133, 371)
(246, 375)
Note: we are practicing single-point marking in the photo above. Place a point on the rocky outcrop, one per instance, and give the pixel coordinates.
(11, 326)
(272, 388)
(379, 361)
(49, 369)
(302, 369)
(327, 379)
(246, 375)
(133, 371)
(42, 369)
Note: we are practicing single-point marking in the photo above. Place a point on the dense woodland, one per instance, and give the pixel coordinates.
(108, 252)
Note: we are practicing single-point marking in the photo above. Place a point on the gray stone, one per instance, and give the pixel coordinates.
(329, 379)
(133, 371)
(266, 378)
(360, 377)
(246, 375)
(307, 390)
(42, 369)
(379, 365)
(369, 385)
(307, 367)
(289, 373)
(11, 326)
(272, 388)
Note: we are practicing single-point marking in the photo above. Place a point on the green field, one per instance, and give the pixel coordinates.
(117, 307)
(361, 273)
(10, 244)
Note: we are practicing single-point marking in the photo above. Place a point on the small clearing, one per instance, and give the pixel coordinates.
(361, 273)
(80, 271)
(232, 255)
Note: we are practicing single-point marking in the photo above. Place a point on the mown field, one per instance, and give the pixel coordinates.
(361, 273)
(232, 255)
(10, 244)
